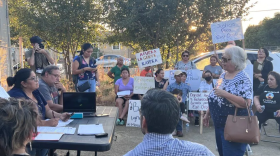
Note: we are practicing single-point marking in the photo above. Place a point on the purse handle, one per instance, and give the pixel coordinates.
(234, 117)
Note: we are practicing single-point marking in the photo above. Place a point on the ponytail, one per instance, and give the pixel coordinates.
(21, 75)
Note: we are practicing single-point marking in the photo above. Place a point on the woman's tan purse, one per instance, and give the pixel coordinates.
(242, 129)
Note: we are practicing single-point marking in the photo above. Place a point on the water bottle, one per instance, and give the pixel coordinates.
(187, 127)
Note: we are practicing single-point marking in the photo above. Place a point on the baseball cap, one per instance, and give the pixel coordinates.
(36, 39)
(177, 72)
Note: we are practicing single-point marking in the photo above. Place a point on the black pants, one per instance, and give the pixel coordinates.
(265, 115)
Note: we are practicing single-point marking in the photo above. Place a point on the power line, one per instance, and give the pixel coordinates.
(265, 10)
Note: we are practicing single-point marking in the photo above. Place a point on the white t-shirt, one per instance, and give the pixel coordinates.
(204, 86)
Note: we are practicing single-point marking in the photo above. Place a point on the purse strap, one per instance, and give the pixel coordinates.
(235, 112)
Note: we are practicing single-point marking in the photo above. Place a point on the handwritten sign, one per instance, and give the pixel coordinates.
(133, 117)
(143, 84)
(148, 58)
(198, 101)
(193, 78)
(227, 31)
(249, 70)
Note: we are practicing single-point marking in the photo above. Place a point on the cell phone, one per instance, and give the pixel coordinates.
(102, 115)
(100, 135)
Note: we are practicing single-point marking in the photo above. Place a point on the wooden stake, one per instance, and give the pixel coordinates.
(201, 122)
(243, 44)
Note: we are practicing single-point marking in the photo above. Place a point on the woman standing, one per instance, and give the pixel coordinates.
(185, 64)
(117, 70)
(213, 68)
(234, 90)
(87, 70)
(124, 84)
(261, 69)
(160, 82)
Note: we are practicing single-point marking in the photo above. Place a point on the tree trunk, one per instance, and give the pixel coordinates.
(177, 54)
(168, 57)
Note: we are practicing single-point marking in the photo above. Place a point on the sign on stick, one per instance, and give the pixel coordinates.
(198, 101)
(148, 58)
(133, 117)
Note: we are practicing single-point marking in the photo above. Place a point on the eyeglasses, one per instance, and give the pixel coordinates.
(34, 78)
(185, 55)
(225, 60)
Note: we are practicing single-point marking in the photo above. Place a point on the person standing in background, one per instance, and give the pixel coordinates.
(145, 71)
(185, 64)
(213, 68)
(38, 58)
(117, 70)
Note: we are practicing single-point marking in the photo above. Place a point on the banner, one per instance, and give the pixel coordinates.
(193, 78)
(133, 117)
(227, 31)
(198, 101)
(148, 58)
(143, 84)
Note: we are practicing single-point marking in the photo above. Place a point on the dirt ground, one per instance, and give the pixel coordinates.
(128, 138)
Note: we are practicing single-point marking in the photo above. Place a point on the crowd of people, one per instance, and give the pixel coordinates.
(36, 95)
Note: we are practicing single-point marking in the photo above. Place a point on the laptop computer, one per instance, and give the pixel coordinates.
(80, 102)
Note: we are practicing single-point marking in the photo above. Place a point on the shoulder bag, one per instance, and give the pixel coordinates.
(242, 129)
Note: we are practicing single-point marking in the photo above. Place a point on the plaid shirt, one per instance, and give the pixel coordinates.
(164, 144)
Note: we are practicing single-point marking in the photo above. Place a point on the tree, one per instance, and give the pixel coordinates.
(167, 24)
(64, 25)
(265, 34)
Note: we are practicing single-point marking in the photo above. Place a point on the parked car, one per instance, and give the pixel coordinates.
(111, 60)
(203, 59)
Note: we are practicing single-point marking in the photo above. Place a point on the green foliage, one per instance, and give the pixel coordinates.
(265, 34)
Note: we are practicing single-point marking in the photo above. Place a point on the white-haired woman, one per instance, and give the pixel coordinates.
(234, 89)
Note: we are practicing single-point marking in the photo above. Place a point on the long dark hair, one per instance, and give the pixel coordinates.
(85, 47)
(276, 76)
(21, 75)
(158, 71)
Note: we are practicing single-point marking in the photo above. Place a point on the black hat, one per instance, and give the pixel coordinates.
(36, 39)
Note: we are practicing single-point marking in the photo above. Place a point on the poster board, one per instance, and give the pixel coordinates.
(133, 117)
(193, 78)
(143, 84)
(148, 58)
(227, 31)
(198, 101)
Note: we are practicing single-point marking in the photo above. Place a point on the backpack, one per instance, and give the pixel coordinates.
(75, 77)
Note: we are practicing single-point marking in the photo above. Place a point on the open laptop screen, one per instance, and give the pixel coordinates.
(79, 102)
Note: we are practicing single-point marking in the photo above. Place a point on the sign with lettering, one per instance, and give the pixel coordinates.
(148, 58)
(198, 101)
(133, 117)
(249, 70)
(143, 84)
(227, 31)
(193, 78)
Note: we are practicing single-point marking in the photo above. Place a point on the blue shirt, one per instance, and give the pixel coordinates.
(220, 108)
(87, 74)
(182, 86)
(155, 144)
(18, 93)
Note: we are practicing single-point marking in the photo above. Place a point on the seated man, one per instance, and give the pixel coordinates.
(159, 115)
(49, 85)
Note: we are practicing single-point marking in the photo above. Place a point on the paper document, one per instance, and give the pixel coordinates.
(65, 130)
(62, 123)
(90, 129)
(50, 137)
(123, 93)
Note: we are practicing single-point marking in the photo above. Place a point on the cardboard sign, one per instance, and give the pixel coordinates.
(143, 84)
(148, 58)
(227, 31)
(249, 70)
(198, 101)
(193, 78)
(133, 117)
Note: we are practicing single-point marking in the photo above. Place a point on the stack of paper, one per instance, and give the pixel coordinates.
(90, 129)
(65, 130)
(62, 123)
(123, 93)
(48, 136)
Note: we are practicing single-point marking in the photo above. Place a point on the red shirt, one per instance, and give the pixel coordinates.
(144, 72)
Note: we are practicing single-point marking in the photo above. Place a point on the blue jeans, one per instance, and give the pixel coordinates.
(227, 148)
(92, 84)
(179, 126)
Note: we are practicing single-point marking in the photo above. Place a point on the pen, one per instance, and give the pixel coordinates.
(53, 114)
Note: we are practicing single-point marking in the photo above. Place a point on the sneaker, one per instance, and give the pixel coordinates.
(265, 124)
(196, 122)
(180, 134)
(122, 122)
(174, 133)
(118, 121)
(184, 119)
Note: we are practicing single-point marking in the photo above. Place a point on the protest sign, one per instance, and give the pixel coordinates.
(143, 84)
(198, 101)
(133, 117)
(227, 31)
(249, 71)
(193, 78)
(148, 58)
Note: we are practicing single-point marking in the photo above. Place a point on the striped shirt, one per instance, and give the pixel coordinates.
(155, 144)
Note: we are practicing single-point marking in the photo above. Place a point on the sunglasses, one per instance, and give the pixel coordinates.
(225, 60)
(185, 55)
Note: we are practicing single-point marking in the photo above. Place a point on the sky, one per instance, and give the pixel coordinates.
(255, 17)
